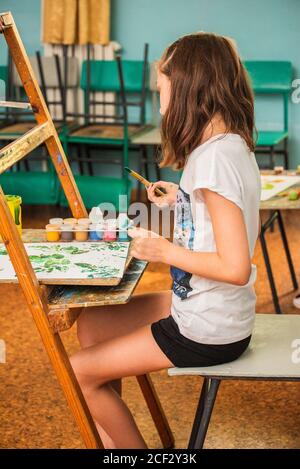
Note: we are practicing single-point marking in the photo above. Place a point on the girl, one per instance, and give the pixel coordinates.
(207, 128)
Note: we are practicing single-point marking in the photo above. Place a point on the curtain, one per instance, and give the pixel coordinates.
(76, 21)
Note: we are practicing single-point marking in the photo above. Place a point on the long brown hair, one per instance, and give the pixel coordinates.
(207, 79)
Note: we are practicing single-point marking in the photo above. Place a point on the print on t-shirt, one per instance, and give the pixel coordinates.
(184, 232)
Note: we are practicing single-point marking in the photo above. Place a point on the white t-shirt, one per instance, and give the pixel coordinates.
(208, 311)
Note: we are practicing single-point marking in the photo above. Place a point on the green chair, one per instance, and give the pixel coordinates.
(97, 189)
(35, 187)
(108, 125)
(48, 72)
(272, 78)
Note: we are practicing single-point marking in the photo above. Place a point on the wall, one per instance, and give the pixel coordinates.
(267, 29)
(27, 15)
(263, 30)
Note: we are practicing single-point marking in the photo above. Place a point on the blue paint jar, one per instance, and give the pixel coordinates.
(122, 235)
(93, 234)
(99, 230)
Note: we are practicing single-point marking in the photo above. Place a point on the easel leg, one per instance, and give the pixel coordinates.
(66, 377)
(156, 411)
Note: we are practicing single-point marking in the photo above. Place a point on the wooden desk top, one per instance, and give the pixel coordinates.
(281, 202)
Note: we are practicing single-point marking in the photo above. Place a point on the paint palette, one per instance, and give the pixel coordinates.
(72, 263)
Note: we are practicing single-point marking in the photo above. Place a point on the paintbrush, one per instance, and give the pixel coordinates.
(144, 181)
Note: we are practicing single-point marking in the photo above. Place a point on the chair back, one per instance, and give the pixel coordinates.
(126, 79)
(271, 77)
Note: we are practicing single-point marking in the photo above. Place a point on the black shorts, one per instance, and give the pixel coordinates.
(183, 352)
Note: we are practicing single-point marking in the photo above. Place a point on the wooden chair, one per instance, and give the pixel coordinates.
(35, 294)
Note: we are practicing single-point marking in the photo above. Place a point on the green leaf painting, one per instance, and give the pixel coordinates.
(78, 261)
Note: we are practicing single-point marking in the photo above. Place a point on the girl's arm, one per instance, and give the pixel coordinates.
(230, 262)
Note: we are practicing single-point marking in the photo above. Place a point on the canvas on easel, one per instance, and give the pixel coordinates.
(101, 263)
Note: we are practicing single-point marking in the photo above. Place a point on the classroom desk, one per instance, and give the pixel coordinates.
(275, 205)
(147, 137)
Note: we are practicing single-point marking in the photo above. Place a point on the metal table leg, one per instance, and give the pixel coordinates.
(269, 272)
(287, 250)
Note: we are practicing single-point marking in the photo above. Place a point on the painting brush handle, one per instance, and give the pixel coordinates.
(143, 180)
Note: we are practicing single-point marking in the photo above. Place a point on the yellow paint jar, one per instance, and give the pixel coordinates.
(70, 221)
(81, 232)
(83, 221)
(52, 233)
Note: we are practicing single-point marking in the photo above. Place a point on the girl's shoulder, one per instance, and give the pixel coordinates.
(221, 148)
(227, 143)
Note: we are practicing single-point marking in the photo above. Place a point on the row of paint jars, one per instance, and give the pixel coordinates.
(82, 229)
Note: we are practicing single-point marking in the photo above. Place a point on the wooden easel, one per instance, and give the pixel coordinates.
(35, 294)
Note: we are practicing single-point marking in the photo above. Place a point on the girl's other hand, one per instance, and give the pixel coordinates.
(167, 199)
(149, 246)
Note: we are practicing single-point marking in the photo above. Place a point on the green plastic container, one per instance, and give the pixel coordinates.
(14, 202)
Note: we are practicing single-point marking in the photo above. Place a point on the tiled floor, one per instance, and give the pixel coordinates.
(34, 413)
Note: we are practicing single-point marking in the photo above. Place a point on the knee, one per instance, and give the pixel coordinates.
(87, 380)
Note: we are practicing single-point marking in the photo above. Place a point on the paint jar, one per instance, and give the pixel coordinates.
(56, 221)
(66, 232)
(93, 234)
(96, 215)
(123, 223)
(278, 169)
(52, 233)
(110, 231)
(83, 221)
(100, 230)
(70, 221)
(122, 235)
(81, 232)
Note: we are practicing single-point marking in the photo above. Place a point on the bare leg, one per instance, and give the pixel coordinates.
(133, 354)
(96, 325)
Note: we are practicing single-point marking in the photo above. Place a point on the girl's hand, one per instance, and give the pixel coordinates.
(168, 199)
(149, 246)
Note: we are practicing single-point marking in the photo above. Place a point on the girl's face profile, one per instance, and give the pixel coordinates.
(164, 88)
